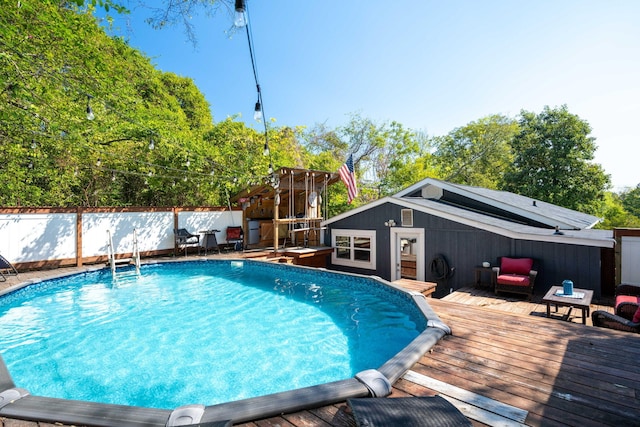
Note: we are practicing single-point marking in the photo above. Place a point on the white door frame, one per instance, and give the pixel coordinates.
(395, 234)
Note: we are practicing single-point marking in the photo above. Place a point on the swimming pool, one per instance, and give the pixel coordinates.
(360, 338)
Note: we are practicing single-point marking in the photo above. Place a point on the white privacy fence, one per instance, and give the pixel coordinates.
(74, 236)
(630, 260)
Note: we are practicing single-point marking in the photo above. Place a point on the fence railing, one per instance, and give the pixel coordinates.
(41, 237)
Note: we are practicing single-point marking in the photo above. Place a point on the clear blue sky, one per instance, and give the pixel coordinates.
(431, 65)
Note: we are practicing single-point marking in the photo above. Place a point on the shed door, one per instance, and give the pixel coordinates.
(407, 253)
(630, 260)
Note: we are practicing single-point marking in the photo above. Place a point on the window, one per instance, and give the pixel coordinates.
(354, 248)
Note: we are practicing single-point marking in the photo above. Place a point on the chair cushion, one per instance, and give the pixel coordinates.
(627, 298)
(513, 280)
(636, 317)
(234, 232)
(515, 265)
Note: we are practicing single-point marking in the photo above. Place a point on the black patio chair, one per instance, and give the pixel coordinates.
(184, 239)
(6, 269)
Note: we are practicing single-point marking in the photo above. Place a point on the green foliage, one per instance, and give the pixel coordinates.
(553, 161)
(631, 201)
(477, 154)
(615, 215)
(56, 62)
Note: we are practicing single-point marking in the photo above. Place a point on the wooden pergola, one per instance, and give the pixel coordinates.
(293, 202)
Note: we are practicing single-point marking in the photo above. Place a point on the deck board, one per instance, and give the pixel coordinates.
(561, 373)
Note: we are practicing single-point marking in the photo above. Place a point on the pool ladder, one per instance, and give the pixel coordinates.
(123, 262)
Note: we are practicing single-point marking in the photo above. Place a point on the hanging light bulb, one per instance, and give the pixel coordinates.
(257, 114)
(152, 144)
(90, 115)
(99, 161)
(113, 176)
(33, 144)
(240, 16)
(188, 163)
(270, 168)
(266, 149)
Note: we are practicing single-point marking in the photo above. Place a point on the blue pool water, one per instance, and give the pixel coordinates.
(199, 332)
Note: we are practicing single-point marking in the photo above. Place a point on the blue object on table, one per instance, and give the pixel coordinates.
(567, 287)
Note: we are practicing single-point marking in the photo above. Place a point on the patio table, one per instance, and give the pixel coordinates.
(581, 298)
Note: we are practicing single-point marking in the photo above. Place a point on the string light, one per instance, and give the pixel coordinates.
(240, 19)
(257, 114)
(221, 179)
(90, 115)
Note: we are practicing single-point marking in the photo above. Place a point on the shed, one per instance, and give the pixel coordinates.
(284, 214)
(439, 231)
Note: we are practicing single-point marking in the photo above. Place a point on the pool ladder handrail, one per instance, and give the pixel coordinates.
(114, 264)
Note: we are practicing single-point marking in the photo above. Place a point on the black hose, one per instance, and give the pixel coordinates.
(440, 268)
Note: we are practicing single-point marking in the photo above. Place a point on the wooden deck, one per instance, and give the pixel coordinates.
(526, 368)
(507, 364)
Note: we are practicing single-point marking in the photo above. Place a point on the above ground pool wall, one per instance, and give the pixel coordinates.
(19, 404)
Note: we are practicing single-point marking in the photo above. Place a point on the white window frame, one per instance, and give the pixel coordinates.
(352, 262)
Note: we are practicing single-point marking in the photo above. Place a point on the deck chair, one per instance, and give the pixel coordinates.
(235, 236)
(406, 412)
(514, 275)
(6, 269)
(185, 240)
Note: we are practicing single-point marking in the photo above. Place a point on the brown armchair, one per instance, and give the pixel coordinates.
(627, 310)
(514, 275)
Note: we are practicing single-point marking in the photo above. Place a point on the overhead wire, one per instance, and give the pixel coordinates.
(258, 88)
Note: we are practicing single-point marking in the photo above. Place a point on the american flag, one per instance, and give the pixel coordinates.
(348, 176)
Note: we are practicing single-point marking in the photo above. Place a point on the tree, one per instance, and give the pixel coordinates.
(615, 215)
(163, 13)
(553, 161)
(55, 63)
(631, 200)
(478, 153)
(381, 153)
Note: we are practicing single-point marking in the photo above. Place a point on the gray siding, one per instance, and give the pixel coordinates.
(466, 247)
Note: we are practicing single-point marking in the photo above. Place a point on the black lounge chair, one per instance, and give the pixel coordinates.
(184, 239)
(406, 412)
(6, 269)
